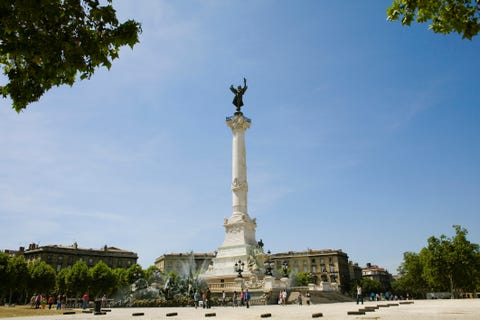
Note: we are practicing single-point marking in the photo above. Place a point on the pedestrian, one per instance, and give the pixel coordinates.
(32, 301)
(50, 302)
(85, 299)
(235, 299)
(300, 298)
(224, 298)
(38, 301)
(64, 301)
(359, 294)
(307, 298)
(242, 298)
(208, 295)
(59, 302)
(247, 298)
(196, 298)
(284, 297)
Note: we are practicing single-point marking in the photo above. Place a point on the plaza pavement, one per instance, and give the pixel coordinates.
(466, 309)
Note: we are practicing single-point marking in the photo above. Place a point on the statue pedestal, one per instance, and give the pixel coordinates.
(325, 286)
(269, 283)
(285, 282)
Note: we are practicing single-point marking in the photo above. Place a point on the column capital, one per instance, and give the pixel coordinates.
(238, 122)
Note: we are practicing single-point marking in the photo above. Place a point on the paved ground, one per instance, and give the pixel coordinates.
(419, 310)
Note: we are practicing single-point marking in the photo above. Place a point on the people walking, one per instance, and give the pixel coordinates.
(247, 298)
(284, 297)
(196, 298)
(224, 298)
(51, 300)
(208, 295)
(235, 299)
(85, 299)
(359, 294)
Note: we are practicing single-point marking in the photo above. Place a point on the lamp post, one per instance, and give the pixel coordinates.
(239, 267)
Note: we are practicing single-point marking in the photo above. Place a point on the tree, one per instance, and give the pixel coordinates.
(48, 43)
(411, 276)
(3, 274)
(78, 280)
(370, 285)
(103, 279)
(445, 16)
(151, 273)
(18, 277)
(301, 279)
(42, 276)
(134, 273)
(61, 281)
(121, 276)
(451, 264)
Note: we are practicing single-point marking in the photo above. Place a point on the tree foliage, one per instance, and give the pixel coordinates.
(301, 279)
(445, 264)
(19, 279)
(3, 273)
(18, 276)
(444, 16)
(103, 279)
(48, 43)
(77, 280)
(411, 276)
(61, 281)
(42, 276)
(134, 273)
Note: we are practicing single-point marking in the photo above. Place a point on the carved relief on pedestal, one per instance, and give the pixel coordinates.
(234, 229)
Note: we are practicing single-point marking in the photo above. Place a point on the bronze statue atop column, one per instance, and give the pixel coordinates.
(239, 92)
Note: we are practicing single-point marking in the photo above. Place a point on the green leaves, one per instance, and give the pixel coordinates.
(48, 43)
(445, 16)
(445, 264)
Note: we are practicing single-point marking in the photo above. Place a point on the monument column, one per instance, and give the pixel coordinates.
(239, 243)
(239, 124)
(240, 228)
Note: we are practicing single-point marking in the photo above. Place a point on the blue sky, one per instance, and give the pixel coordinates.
(365, 135)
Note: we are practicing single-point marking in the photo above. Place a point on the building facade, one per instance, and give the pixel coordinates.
(184, 263)
(325, 265)
(378, 274)
(61, 257)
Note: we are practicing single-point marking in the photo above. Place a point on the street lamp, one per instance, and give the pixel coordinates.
(239, 267)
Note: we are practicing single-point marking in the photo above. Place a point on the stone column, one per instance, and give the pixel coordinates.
(239, 228)
(239, 124)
